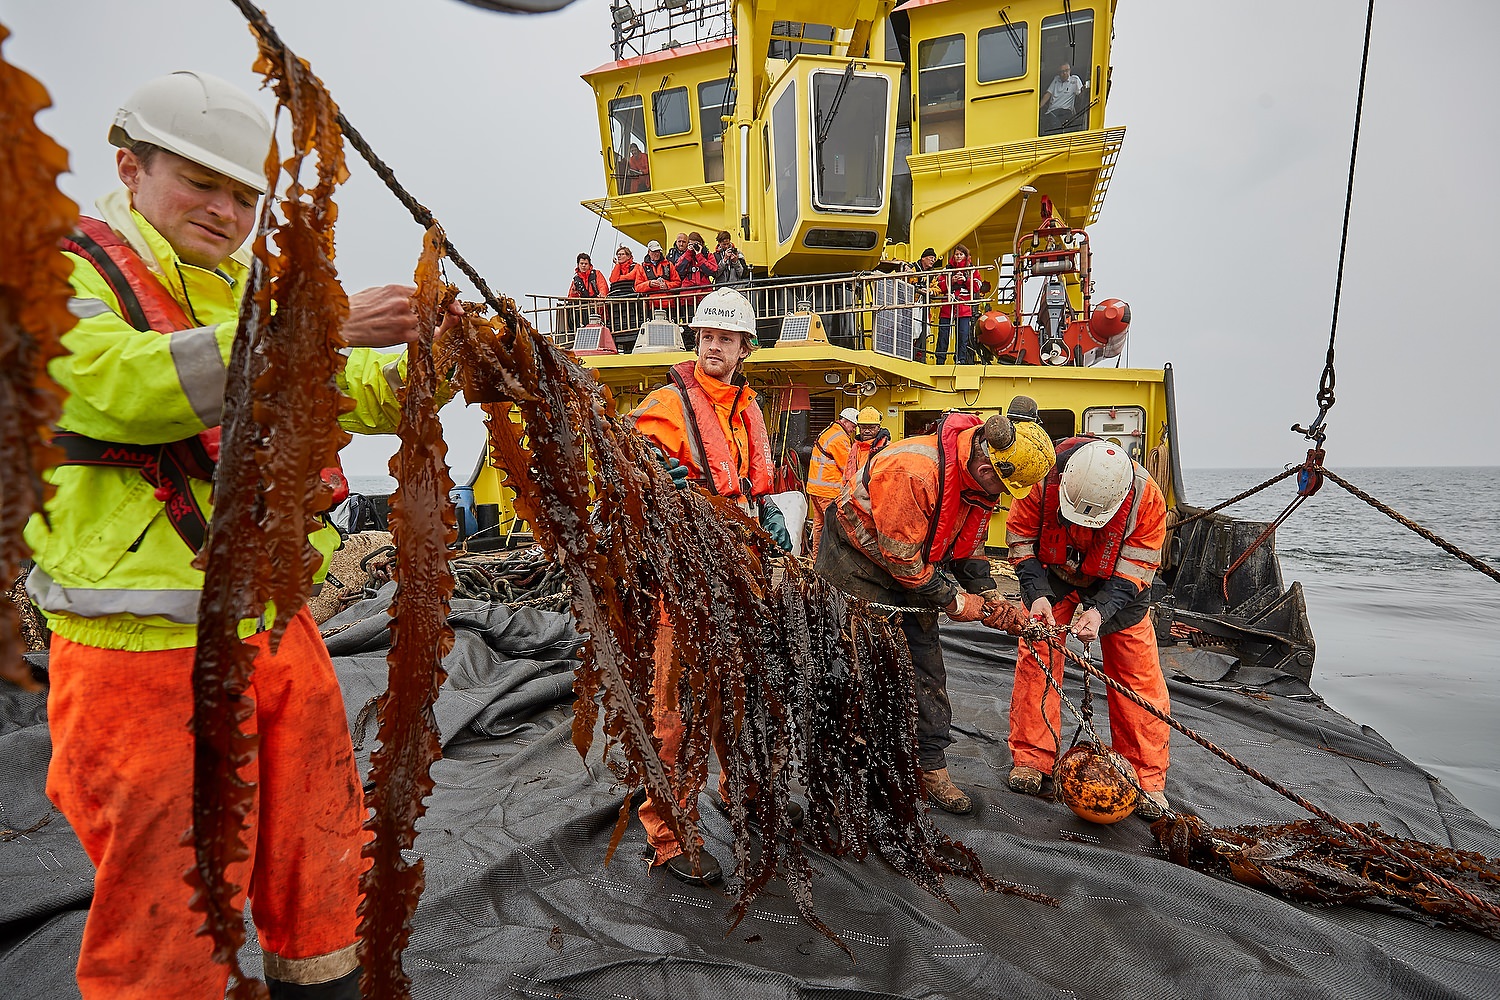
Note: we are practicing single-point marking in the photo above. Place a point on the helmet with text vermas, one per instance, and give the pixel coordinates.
(1095, 483)
(726, 309)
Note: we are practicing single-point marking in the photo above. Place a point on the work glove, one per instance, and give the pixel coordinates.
(675, 469)
(966, 607)
(774, 521)
(1086, 625)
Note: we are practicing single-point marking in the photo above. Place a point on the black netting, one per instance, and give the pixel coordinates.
(518, 904)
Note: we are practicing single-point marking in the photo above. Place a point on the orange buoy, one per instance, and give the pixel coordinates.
(1091, 781)
(1110, 319)
(996, 332)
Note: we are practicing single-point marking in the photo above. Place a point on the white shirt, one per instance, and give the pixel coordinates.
(1062, 92)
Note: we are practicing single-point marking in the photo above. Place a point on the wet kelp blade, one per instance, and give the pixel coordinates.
(1315, 862)
(280, 430)
(423, 525)
(34, 293)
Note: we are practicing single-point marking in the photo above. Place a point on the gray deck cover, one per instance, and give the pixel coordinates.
(518, 903)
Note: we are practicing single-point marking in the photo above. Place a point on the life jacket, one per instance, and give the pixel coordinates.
(590, 288)
(1098, 561)
(711, 450)
(146, 305)
(657, 269)
(963, 516)
(825, 472)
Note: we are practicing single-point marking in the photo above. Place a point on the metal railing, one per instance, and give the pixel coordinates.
(886, 311)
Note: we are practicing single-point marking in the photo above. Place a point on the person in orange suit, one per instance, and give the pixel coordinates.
(825, 470)
(1086, 548)
(908, 531)
(709, 429)
(869, 437)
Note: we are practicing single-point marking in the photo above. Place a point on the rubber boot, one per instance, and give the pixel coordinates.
(345, 987)
(1152, 806)
(1026, 780)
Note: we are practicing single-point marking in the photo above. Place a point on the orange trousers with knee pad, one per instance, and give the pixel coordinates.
(670, 730)
(1129, 657)
(122, 773)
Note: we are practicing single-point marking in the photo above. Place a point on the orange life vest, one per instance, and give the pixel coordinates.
(709, 446)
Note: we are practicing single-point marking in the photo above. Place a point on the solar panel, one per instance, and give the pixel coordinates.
(895, 329)
(587, 338)
(795, 328)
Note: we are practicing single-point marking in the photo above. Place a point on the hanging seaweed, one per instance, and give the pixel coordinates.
(423, 525)
(280, 430)
(34, 293)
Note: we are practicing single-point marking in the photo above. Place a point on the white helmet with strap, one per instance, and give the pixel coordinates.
(200, 118)
(1095, 482)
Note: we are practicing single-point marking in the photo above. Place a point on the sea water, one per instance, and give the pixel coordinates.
(1408, 637)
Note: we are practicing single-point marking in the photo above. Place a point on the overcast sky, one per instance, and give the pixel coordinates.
(1221, 227)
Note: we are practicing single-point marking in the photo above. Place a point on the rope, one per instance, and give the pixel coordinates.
(1435, 539)
(1236, 499)
(1229, 758)
(1317, 431)
(504, 308)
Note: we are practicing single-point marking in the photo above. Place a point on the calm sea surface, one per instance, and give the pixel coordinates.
(1408, 637)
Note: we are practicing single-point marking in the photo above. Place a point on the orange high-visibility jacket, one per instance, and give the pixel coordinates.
(915, 506)
(830, 453)
(714, 428)
(1112, 567)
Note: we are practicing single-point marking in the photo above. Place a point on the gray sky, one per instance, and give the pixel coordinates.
(1221, 227)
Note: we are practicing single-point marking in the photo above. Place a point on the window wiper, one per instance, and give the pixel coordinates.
(826, 125)
(1010, 29)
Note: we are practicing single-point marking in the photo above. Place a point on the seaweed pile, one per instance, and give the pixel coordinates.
(34, 315)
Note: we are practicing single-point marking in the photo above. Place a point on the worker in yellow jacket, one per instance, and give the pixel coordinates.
(157, 280)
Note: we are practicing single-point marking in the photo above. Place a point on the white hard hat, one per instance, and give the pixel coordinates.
(200, 118)
(1095, 483)
(850, 414)
(725, 309)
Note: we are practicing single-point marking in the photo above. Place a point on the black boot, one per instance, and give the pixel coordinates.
(345, 987)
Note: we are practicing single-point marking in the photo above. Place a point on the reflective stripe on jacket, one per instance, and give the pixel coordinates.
(110, 569)
(710, 425)
(915, 504)
(830, 453)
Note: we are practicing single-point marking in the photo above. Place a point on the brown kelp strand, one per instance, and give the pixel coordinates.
(422, 523)
(279, 431)
(1315, 862)
(34, 315)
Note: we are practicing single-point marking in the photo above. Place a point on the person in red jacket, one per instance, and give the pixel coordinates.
(959, 287)
(656, 278)
(696, 271)
(1086, 548)
(588, 283)
(909, 531)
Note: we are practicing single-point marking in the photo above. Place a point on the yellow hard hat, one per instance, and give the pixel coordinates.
(869, 415)
(1026, 461)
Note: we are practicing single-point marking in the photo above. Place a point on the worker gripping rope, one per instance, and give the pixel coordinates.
(909, 531)
(1086, 548)
(708, 429)
(157, 281)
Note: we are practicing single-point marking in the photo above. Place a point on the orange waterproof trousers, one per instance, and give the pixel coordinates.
(122, 773)
(817, 507)
(670, 731)
(1130, 658)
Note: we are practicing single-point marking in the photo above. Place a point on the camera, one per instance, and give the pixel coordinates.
(697, 247)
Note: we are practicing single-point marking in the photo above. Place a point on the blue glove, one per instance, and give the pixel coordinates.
(774, 522)
(675, 469)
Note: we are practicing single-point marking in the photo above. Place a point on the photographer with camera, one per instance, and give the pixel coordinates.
(734, 270)
(697, 268)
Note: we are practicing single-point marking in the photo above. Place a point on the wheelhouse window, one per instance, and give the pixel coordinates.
(940, 93)
(849, 115)
(670, 113)
(784, 149)
(627, 129)
(793, 38)
(715, 101)
(1001, 52)
(1067, 69)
